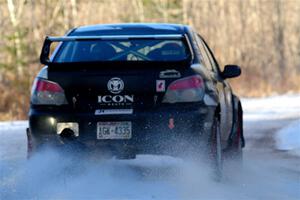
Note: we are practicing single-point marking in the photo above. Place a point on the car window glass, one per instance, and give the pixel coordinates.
(133, 50)
(203, 53)
(212, 61)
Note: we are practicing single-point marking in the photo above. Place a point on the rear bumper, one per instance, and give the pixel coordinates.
(150, 128)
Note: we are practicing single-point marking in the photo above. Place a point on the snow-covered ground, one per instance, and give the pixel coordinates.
(271, 166)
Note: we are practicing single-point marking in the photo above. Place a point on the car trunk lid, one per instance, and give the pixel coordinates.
(115, 85)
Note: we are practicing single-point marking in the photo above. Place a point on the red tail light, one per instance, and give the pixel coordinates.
(45, 92)
(43, 86)
(189, 89)
(187, 83)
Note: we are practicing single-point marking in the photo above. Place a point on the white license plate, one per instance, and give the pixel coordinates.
(114, 130)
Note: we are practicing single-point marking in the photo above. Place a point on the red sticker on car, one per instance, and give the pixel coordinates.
(160, 85)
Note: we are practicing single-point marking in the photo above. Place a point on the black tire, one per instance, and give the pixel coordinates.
(233, 155)
(216, 156)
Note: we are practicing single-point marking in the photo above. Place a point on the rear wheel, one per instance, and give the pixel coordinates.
(233, 155)
(216, 150)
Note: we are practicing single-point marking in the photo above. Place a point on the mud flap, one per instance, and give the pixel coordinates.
(240, 115)
(29, 143)
(237, 127)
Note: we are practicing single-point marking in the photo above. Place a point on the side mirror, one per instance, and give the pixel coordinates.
(231, 71)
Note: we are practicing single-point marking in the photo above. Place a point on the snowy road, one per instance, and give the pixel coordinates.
(271, 165)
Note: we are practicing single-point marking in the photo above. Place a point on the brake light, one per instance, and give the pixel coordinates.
(187, 83)
(44, 86)
(46, 92)
(189, 89)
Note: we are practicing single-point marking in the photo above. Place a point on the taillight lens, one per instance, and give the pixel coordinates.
(189, 89)
(45, 92)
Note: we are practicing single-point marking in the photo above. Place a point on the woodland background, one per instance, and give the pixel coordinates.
(262, 36)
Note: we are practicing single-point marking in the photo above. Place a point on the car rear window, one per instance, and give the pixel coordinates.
(122, 50)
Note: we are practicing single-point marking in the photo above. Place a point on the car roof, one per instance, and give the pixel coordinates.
(130, 29)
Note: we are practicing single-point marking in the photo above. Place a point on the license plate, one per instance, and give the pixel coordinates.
(114, 130)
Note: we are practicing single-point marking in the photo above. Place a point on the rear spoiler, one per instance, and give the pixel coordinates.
(44, 57)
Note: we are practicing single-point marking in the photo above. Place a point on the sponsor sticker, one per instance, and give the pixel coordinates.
(160, 85)
(170, 73)
(115, 85)
(113, 111)
(116, 100)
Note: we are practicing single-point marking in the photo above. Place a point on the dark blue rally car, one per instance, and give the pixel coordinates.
(128, 89)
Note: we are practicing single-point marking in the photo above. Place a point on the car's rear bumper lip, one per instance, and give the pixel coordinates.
(150, 129)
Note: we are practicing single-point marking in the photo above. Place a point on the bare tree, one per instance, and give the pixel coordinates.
(15, 15)
(261, 36)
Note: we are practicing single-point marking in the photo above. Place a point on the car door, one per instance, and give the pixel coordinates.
(225, 94)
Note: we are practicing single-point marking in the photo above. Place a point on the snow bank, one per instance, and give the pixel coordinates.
(270, 108)
(9, 125)
(13, 141)
(288, 138)
(271, 112)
